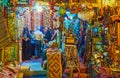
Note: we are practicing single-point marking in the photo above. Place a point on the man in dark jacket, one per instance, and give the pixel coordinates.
(48, 34)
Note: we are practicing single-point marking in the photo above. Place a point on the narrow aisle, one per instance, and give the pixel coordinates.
(33, 68)
(59, 39)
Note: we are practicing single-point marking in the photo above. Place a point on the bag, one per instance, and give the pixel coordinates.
(38, 42)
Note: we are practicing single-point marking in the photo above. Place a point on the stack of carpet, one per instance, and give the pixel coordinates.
(54, 64)
(83, 71)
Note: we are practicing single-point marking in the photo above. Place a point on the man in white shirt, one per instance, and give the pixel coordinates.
(38, 41)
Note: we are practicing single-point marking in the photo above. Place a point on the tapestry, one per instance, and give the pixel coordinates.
(23, 18)
(4, 38)
(11, 25)
(37, 17)
(46, 18)
(10, 53)
(54, 67)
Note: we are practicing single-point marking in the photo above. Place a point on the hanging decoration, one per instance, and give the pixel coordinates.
(73, 10)
(11, 26)
(10, 53)
(4, 37)
(23, 19)
(108, 2)
(13, 3)
(77, 9)
(30, 2)
(46, 17)
(1, 66)
(1, 5)
(62, 9)
(32, 20)
(56, 18)
(51, 6)
(5, 2)
(86, 15)
(10, 3)
(37, 18)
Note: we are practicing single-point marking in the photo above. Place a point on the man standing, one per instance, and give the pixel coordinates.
(25, 44)
(38, 41)
(32, 43)
(48, 34)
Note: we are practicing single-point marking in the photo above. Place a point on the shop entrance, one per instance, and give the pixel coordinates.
(28, 19)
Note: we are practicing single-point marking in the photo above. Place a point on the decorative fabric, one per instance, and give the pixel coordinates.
(36, 18)
(54, 64)
(46, 18)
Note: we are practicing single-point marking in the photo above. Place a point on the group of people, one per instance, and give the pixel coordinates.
(35, 42)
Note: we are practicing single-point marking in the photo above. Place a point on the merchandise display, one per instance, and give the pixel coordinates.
(10, 70)
(60, 39)
(46, 18)
(10, 53)
(11, 25)
(4, 38)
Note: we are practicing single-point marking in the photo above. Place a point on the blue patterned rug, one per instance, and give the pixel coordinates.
(35, 65)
